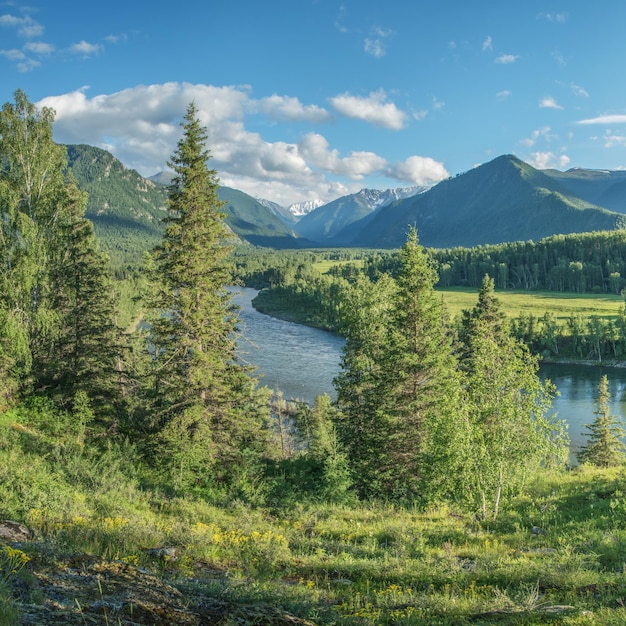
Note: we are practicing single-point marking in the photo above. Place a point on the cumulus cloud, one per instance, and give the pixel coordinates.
(373, 109)
(141, 126)
(289, 109)
(549, 103)
(85, 48)
(548, 160)
(419, 171)
(604, 119)
(39, 47)
(488, 44)
(26, 27)
(503, 95)
(506, 59)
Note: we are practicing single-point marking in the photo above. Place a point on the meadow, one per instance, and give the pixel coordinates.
(560, 304)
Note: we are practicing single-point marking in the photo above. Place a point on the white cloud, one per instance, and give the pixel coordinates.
(506, 59)
(13, 54)
(549, 103)
(39, 47)
(85, 48)
(559, 18)
(289, 109)
(26, 27)
(579, 91)
(605, 119)
(373, 109)
(548, 160)
(315, 149)
(503, 95)
(488, 44)
(419, 170)
(544, 133)
(141, 126)
(611, 140)
(376, 45)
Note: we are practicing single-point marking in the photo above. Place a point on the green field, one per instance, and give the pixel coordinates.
(537, 303)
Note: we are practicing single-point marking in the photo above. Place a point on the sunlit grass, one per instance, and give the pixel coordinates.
(537, 303)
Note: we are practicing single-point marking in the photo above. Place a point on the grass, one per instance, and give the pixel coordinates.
(537, 303)
(366, 564)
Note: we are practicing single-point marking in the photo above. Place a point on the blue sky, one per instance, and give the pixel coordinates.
(314, 99)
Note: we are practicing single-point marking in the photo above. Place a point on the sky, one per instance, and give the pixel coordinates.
(316, 99)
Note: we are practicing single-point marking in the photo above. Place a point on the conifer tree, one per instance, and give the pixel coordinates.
(205, 409)
(401, 420)
(605, 446)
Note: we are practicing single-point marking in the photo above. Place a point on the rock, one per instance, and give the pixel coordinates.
(537, 530)
(14, 532)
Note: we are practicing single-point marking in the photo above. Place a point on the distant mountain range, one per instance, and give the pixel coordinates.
(503, 200)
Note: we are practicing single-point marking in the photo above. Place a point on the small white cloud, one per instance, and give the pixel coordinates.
(503, 95)
(373, 109)
(612, 139)
(26, 27)
(341, 15)
(549, 103)
(27, 65)
(604, 119)
(13, 54)
(85, 48)
(115, 38)
(289, 109)
(39, 47)
(375, 48)
(419, 171)
(548, 160)
(376, 45)
(438, 104)
(579, 91)
(544, 133)
(488, 44)
(559, 18)
(506, 59)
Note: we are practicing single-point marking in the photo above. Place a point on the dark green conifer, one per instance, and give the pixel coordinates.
(605, 446)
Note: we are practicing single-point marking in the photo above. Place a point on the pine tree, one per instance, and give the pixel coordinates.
(203, 400)
(605, 447)
(401, 420)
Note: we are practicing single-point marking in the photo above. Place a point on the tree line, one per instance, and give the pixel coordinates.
(425, 411)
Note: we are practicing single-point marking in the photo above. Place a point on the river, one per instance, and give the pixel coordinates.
(302, 362)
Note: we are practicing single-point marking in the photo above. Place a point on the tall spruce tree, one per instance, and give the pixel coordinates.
(401, 412)
(511, 432)
(205, 409)
(605, 445)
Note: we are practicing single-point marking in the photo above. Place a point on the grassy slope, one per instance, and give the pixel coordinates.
(554, 556)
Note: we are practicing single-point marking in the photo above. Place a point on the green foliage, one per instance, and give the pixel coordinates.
(400, 415)
(511, 433)
(605, 446)
(203, 406)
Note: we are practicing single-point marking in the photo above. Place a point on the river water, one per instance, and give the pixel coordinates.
(302, 362)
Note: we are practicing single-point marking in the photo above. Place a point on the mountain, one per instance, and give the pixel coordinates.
(503, 200)
(606, 188)
(299, 209)
(279, 211)
(330, 223)
(126, 208)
